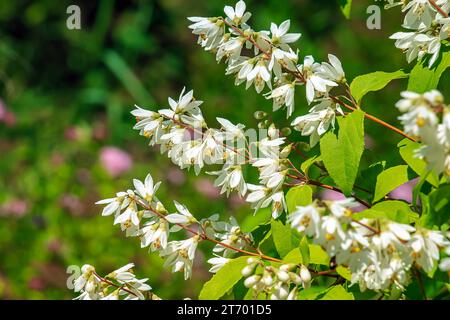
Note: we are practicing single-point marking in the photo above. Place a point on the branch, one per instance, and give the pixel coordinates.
(439, 9)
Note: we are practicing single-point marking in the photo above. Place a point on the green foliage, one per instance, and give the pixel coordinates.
(318, 255)
(394, 210)
(283, 238)
(298, 196)
(346, 7)
(337, 293)
(224, 279)
(423, 79)
(437, 208)
(374, 81)
(390, 179)
(347, 146)
(407, 149)
(344, 272)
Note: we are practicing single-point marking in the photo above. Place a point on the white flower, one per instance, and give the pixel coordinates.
(260, 75)
(318, 121)
(155, 233)
(425, 245)
(209, 30)
(305, 219)
(86, 273)
(314, 81)
(237, 15)
(230, 178)
(420, 14)
(184, 217)
(333, 70)
(123, 274)
(231, 131)
(146, 190)
(180, 255)
(280, 37)
(283, 95)
(115, 205)
(185, 103)
(217, 263)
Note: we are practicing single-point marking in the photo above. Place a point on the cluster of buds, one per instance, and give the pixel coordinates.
(277, 283)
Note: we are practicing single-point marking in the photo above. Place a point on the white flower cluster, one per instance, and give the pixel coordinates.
(280, 283)
(427, 117)
(429, 27)
(141, 214)
(267, 59)
(119, 284)
(184, 135)
(378, 252)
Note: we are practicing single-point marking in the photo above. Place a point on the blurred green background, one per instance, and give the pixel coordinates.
(66, 137)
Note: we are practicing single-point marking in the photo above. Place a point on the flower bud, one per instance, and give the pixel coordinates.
(251, 281)
(248, 270)
(305, 275)
(259, 115)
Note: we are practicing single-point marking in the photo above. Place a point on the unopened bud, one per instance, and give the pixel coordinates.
(251, 281)
(259, 115)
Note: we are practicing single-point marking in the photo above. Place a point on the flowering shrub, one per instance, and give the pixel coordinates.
(310, 248)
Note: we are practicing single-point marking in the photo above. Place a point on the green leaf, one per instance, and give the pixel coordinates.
(224, 279)
(310, 293)
(344, 272)
(283, 238)
(423, 79)
(294, 256)
(374, 81)
(390, 179)
(394, 210)
(346, 7)
(304, 249)
(419, 166)
(298, 196)
(318, 255)
(253, 221)
(438, 208)
(341, 155)
(308, 163)
(397, 210)
(338, 293)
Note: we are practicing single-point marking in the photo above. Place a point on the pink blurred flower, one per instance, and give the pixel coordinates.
(115, 161)
(176, 176)
(6, 116)
(331, 195)
(16, 208)
(36, 283)
(71, 134)
(207, 188)
(405, 191)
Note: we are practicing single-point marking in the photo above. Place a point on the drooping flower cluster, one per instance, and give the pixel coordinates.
(280, 283)
(429, 27)
(378, 252)
(427, 117)
(120, 284)
(140, 214)
(273, 63)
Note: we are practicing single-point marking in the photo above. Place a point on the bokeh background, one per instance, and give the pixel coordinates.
(66, 137)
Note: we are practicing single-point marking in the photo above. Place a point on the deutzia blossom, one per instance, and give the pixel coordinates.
(280, 37)
(314, 81)
(184, 217)
(283, 95)
(217, 263)
(121, 283)
(180, 255)
(305, 219)
(237, 15)
(318, 120)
